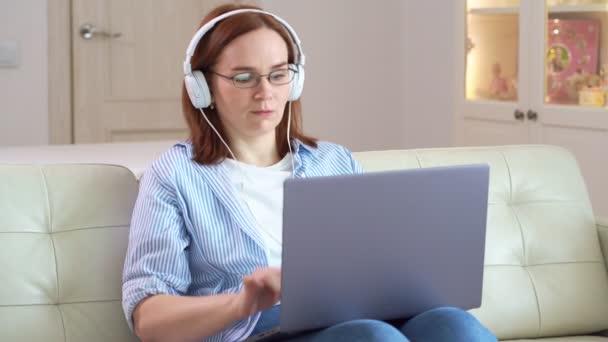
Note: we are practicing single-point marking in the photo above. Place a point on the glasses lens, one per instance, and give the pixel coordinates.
(245, 80)
(282, 76)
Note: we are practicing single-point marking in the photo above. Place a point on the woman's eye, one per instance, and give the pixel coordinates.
(243, 78)
(278, 75)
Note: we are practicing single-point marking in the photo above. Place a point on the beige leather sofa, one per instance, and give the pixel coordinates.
(63, 233)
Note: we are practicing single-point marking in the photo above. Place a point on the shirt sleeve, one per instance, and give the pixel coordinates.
(156, 260)
(356, 167)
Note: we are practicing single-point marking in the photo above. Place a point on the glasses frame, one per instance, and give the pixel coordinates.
(257, 77)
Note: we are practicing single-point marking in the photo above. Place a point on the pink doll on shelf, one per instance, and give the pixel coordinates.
(499, 87)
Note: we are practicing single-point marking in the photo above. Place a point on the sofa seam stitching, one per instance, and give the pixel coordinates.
(69, 230)
(537, 300)
(546, 264)
(523, 240)
(50, 223)
(418, 159)
(65, 332)
(504, 158)
(66, 303)
(510, 205)
(571, 202)
(525, 267)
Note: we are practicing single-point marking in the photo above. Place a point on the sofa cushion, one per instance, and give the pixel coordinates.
(64, 230)
(545, 274)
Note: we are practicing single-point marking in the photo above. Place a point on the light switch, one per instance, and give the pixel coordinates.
(9, 54)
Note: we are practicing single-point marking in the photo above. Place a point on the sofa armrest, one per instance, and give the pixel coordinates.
(602, 230)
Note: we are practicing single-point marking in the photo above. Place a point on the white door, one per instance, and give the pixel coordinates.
(492, 71)
(128, 77)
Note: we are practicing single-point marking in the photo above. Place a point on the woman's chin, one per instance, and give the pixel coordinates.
(266, 125)
(263, 130)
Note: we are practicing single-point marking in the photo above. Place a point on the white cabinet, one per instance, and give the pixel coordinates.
(532, 71)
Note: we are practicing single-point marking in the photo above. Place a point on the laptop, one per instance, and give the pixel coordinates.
(380, 245)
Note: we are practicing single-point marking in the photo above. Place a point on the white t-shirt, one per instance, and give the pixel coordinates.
(262, 190)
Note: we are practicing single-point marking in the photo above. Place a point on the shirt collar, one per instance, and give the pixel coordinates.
(296, 144)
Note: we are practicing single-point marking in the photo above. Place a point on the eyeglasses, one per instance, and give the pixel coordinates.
(251, 79)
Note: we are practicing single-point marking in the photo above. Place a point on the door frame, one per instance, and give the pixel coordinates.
(61, 126)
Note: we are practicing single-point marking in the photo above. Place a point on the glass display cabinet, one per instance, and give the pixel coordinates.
(536, 72)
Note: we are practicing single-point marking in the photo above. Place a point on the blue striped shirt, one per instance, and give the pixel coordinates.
(191, 234)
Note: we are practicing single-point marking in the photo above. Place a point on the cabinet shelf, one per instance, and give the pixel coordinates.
(552, 9)
(494, 10)
(578, 8)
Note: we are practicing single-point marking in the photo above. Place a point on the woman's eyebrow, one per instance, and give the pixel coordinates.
(244, 68)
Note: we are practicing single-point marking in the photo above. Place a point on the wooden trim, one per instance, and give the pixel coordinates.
(60, 72)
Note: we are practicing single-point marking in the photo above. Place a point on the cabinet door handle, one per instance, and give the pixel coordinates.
(519, 115)
(532, 115)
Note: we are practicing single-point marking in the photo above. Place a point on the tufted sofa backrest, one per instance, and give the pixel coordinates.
(63, 237)
(64, 230)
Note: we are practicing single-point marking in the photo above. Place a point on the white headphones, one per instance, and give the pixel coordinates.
(195, 82)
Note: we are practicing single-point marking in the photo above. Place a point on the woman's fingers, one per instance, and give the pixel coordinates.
(252, 292)
(269, 278)
(261, 290)
(272, 279)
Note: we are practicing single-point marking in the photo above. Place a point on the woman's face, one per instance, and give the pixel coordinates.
(251, 112)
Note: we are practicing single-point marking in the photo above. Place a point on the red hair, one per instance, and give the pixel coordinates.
(207, 147)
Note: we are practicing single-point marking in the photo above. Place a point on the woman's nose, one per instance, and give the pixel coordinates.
(264, 89)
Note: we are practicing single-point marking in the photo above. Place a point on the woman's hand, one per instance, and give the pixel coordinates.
(261, 290)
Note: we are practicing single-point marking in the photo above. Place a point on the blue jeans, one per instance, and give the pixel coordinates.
(437, 325)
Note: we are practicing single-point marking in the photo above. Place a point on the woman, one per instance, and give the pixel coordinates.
(203, 261)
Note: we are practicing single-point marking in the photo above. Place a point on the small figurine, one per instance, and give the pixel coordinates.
(499, 87)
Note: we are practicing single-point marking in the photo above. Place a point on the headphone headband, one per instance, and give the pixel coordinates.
(301, 59)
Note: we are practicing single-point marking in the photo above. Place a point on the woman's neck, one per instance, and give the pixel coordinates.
(260, 152)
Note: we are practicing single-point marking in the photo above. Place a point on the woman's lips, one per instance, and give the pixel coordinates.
(263, 112)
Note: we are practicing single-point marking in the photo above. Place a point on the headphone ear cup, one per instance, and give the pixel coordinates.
(297, 85)
(197, 89)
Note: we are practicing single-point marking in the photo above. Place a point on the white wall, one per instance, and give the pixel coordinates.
(428, 59)
(24, 89)
(378, 73)
(352, 90)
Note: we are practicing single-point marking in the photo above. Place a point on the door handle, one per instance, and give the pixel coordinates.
(532, 115)
(519, 115)
(89, 31)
